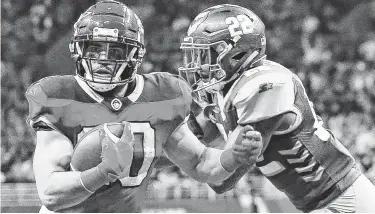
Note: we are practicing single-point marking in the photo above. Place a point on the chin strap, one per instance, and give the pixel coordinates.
(101, 87)
(104, 87)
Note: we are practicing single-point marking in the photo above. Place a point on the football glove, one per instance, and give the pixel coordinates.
(117, 153)
(248, 146)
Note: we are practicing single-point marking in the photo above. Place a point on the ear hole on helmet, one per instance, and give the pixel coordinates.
(239, 56)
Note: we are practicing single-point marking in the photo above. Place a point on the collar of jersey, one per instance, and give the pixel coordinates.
(229, 93)
(132, 97)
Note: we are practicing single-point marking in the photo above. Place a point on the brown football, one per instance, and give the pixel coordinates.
(87, 152)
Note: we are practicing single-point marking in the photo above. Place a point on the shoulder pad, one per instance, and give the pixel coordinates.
(52, 91)
(166, 86)
(263, 95)
(46, 98)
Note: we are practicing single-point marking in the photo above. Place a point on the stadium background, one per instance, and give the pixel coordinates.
(330, 44)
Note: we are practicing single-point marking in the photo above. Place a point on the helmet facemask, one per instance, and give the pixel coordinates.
(107, 45)
(105, 65)
(207, 65)
(202, 69)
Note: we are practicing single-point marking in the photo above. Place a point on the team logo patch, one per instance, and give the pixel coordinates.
(116, 104)
(265, 87)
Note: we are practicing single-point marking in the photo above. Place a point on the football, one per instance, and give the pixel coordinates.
(87, 152)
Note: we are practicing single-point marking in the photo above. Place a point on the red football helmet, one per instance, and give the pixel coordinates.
(113, 25)
(221, 42)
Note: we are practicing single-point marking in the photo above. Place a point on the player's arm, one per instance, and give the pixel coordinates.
(266, 103)
(57, 187)
(195, 127)
(203, 163)
(266, 128)
(61, 189)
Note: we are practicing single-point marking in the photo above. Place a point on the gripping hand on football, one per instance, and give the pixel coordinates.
(248, 146)
(117, 153)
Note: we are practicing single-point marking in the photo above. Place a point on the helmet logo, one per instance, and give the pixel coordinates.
(197, 21)
(239, 25)
(116, 104)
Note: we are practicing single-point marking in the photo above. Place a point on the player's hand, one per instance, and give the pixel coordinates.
(248, 147)
(117, 153)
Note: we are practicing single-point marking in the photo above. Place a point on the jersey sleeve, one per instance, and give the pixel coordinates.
(45, 113)
(186, 97)
(264, 96)
(181, 107)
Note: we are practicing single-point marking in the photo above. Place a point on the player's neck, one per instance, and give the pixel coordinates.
(120, 91)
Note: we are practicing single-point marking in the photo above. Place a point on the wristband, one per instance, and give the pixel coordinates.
(92, 179)
(80, 179)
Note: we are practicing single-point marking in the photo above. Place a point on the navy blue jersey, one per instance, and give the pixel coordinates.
(159, 103)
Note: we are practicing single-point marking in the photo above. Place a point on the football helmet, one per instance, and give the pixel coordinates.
(221, 42)
(110, 34)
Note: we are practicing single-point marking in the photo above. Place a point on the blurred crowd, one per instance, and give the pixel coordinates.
(330, 44)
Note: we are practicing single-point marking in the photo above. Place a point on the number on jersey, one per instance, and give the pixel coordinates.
(143, 153)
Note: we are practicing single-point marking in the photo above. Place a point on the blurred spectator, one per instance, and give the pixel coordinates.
(42, 23)
(360, 21)
(365, 151)
(64, 13)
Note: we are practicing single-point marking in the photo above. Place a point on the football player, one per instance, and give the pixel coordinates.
(234, 84)
(108, 47)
